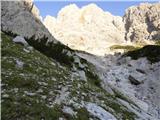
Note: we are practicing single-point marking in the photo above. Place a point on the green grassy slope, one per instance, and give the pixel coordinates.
(32, 83)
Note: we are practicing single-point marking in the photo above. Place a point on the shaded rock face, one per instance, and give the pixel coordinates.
(142, 22)
(27, 26)
(88, 28)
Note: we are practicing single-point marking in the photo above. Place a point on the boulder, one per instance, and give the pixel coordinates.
(136, 77)
(20, 40)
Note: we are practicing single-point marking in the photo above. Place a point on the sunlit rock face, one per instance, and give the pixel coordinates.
(88, 28)
(143, 22)
(92, 30)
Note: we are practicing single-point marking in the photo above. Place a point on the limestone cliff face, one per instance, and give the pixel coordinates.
(143, 22)
(89, 28)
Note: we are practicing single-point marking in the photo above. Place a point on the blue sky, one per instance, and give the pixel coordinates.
(114, 7)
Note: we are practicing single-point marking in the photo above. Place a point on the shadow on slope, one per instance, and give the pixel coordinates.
(151, 52)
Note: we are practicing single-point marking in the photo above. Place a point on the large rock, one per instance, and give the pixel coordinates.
(143, 22)
(82, 29)
(20, 40)
(135, 80)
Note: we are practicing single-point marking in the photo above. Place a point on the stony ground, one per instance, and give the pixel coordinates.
(37, 87)
(135, 73)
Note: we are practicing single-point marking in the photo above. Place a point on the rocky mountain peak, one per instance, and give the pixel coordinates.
(79, 28)
(82, 29)
(142, 22)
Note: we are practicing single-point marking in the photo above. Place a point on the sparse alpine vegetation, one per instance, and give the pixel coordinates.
(126, 48)
(157, 42)
(151, 52)
(37, 87)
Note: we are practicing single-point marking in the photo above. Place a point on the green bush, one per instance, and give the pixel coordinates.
(124, 47)
(82, 114)
(157, 42)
